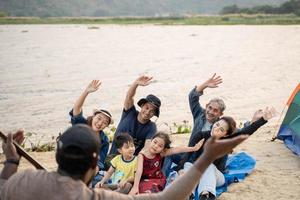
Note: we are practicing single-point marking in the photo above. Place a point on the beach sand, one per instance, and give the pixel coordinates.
(276, 175)
(45, 69)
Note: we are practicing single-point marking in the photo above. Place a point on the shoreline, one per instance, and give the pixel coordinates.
(238, 19)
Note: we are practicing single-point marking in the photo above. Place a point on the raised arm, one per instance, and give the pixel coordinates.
(195, 107)
(141, 81)
(263, 117)
(138, 175)
(92, 87)
(12, 157)
(176, 150)
(212, 82)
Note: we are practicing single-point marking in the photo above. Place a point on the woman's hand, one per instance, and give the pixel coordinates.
(269, 113)
(93, 86)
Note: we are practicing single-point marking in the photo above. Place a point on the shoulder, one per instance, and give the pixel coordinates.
(132, 109)
(115, 160)
(150, 125)
(27, 176)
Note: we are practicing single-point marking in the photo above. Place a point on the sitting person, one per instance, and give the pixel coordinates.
(225, 127)
(138, 123)
(123, 166)
(98, 121)
(149, 177)
(203, 117)
(77, 155)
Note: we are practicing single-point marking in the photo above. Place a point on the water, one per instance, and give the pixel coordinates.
(44, 68)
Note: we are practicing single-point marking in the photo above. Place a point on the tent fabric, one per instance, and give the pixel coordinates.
(289, 130)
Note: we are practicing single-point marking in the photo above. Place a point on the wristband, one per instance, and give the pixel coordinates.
(12, 161)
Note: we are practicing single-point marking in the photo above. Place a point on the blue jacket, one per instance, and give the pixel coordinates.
(198, 112)
(79, 119)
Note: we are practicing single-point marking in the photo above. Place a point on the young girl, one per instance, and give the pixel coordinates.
(149, 177)
(225, 127)
(98, 121)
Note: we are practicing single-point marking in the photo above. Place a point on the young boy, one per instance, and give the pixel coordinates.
(123, 166)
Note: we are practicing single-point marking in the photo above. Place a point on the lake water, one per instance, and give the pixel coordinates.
(44, 68)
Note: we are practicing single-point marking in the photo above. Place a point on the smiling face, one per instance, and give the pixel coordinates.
(147, 112)
(100, 122)
(220, 128)
(157, 145)
(213, 112)
(127, 150)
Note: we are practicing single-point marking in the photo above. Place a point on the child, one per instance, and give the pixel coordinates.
(123, 166)
(225, 127)
(149, 177)
(98, 121)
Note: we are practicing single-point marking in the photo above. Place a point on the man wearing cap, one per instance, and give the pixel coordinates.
(77, 155)
(98, 121)
(138, 124)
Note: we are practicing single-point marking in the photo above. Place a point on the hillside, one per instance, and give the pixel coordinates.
(77, 8)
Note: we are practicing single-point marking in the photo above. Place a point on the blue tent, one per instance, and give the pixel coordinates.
(289, 130)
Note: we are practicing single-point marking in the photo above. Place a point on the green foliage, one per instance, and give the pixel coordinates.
(258, 19)
(37, 146)
(182, 128)
(289, 7)
(79, 8)
(3, 14)
(110, 131)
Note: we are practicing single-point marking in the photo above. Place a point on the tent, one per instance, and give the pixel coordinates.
(289, 130)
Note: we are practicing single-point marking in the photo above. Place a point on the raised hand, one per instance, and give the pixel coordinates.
(93, 86)
(269, 113)
(215, 148)
(9, 148)
(257, 115)
(213, 82)
(199, 145)
(143, 80)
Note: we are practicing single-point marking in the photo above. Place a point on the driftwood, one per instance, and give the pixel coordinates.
(23, 153)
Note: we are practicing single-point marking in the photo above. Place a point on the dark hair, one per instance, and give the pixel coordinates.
(165, 137)
(77, 150)
(74, 161)
(89, 120)
(123, 138)
(231, 124)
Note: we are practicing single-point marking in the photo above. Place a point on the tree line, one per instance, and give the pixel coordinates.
(289, 7)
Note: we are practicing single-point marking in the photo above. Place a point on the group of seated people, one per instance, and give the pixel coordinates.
(140, 158)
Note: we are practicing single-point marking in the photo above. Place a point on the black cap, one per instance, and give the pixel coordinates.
(80, 137)
(154, 100)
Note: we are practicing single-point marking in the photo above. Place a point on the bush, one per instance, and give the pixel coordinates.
(3, 14)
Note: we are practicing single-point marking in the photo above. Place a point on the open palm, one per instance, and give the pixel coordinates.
(143, 80)
(214, 81)
(93, 86)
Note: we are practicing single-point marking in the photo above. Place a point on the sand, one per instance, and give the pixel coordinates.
(45, 69)
(276, 175)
